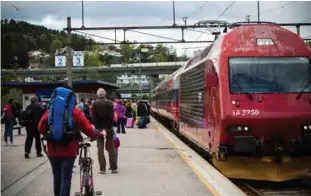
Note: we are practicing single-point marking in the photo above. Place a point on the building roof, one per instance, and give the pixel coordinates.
(56, 83)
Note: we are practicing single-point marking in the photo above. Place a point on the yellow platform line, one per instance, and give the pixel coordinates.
(187, 161)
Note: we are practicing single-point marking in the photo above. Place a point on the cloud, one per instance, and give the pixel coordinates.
(53, 15)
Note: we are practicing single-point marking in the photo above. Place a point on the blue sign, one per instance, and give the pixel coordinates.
(44, 95)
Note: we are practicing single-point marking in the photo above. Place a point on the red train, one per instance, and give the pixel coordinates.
(246, 100)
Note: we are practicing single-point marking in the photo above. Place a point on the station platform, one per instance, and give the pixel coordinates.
(152, 162)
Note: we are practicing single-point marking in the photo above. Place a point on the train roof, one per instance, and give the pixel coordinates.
(245, 39)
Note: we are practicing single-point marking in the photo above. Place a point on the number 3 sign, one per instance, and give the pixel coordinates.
(78, 61)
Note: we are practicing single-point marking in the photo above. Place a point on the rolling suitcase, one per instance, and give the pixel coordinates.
(130, 122)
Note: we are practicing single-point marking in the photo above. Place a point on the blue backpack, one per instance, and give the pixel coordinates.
(60, 123)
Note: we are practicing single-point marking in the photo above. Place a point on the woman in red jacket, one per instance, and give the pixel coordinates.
(62, 157)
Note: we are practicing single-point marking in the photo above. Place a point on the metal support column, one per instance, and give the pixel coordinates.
(69, 55)
(298, 29)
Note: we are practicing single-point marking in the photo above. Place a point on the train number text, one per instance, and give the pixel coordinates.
(247, 112)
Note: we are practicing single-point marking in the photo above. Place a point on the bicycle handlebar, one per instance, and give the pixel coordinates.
(84, 142)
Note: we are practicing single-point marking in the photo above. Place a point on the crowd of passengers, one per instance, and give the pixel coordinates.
(99, 118)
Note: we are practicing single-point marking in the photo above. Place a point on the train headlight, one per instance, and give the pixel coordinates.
(265, 42)
(239, 128)
(307, 127)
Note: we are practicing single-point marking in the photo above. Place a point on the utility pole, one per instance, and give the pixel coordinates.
(174, 24)
(258, 11)
(82, 15)
(69, 55)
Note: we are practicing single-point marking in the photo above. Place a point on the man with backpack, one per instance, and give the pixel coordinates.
(8, 115)
(61, 126)
(31, 118)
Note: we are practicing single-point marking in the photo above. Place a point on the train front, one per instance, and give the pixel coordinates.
(266, 105)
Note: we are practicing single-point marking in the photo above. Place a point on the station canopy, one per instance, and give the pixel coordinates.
(83, 86)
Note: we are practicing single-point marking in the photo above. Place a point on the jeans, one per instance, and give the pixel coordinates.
(62, 173)
(8, 130)
(121, 122)
(116, 155)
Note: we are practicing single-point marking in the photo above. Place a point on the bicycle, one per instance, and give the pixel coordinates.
(86, 171)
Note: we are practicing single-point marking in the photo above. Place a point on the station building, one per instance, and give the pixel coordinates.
(43, 90)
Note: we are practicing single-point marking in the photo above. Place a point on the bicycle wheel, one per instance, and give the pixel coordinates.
(88, 191)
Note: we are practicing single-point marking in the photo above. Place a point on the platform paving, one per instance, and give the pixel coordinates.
(148, 165)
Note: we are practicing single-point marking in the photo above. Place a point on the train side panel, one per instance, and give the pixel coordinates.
(192, 105)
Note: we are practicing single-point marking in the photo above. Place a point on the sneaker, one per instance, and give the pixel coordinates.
(124, 132)
(27, 156)
(102, 172)
(114, 172)
(39, 155)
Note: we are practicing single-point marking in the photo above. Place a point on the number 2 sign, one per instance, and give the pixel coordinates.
(60, 61)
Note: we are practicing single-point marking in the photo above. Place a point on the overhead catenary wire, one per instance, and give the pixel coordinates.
(301, 22)
(226, 9)
(199, 31)
(97, 36)
(198, 9)
(159, 36)
(276, 8)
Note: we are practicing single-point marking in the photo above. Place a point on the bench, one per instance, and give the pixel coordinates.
(18, 127)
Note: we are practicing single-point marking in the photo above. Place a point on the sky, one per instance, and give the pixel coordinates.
(125, 13)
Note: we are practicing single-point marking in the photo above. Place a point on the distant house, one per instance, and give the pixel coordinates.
(37, 54)
(114, 56)
(64, 51)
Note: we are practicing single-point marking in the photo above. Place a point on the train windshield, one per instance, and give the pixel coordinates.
(269, 75)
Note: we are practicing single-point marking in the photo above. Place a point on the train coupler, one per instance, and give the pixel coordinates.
(222, 154)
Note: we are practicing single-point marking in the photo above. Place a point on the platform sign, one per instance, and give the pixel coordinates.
(126, 95)
(60, 61)
(44, 95)
(78, 61)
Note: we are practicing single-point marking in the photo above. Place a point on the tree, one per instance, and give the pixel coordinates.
(163, 77)
(126, 50)
(56, 44)
(92, 58)
(309, 43)
(8, 93)
(43, 42)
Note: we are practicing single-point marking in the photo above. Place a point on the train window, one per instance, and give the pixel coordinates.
(269, 75)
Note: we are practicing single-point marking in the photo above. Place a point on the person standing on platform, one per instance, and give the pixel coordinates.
(141, 113)
(81, 104)
(120, 110)
(32, 115)
(129, 110)
(102, 118)
(8, 115)
(62, 151)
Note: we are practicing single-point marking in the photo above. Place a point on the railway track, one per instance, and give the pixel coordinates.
(289, 188)
(256, 188)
